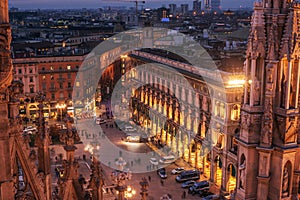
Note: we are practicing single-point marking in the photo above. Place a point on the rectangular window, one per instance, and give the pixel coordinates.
(31, 89)
(70, 95)
(20, 71)
(69, 85)
(61, 95)
(43, 86)
(44, 77)
(52, 85)
(30, 70)
(61, 85)
(69, 67)
(53, 96)
(31, 79)
(77, 84)
(52, 77)
(69, 76)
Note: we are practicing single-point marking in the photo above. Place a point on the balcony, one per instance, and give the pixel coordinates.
(57, 71)
(52, 89)
(61, 79)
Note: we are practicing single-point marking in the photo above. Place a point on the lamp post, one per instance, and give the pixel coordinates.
(120, 177)
(61, 107)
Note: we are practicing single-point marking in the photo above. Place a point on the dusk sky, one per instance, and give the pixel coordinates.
(44, 4)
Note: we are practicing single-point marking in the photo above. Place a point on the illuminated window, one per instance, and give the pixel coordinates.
(51, 68)
(77, 84)
(235, 113)
(69, 67)
(217, 108)
(222, 110)
(52, 77)
(44, 77)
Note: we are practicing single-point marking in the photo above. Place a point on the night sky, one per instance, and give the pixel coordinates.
(48, 4)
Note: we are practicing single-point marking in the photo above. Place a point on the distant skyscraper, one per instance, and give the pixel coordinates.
(207, 4)
(172, 8)
(196, 7)
(215, 5)
(184, 8)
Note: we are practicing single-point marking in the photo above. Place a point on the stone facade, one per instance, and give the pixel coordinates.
(268, 153)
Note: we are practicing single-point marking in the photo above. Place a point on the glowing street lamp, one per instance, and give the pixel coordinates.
(129, 192)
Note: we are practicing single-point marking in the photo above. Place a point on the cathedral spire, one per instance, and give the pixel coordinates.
(4, 17)
(268, 155)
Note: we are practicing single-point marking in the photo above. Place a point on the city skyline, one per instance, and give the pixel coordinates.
(56, 4)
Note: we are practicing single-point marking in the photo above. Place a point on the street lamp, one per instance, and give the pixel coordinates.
(61, 107)
(120, 177)
(129, 192)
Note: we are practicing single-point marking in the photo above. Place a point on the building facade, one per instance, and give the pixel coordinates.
(54, 76)
(194, 119)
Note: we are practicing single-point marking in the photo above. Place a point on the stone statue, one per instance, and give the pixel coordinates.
(266, 134)
(242, 174)
(283, 91)
(256, 92)
(285, 182)
(246, 121)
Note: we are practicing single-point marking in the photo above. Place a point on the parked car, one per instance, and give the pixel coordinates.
(177, 170)
(153, 161)
(211, 197)
(188, 175)
(100, 121)
(166, 197)
(129, 129)
(31, 128)
(188, 184)
(167, 159)
(199, 187)
(162, 173)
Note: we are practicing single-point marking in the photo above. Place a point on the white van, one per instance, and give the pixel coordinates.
(167, 159)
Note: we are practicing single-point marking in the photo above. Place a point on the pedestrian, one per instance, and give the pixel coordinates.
(149, 177)
(162, 182)
(184, 194)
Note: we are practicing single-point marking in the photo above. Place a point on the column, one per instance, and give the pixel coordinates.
(297, 86)
(247, 80)
(253, 70)
(288, 85)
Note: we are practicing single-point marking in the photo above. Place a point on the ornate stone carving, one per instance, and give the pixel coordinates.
(242, 168)
(285, 182)
(246, 121)
(256, 92)
(15, 89)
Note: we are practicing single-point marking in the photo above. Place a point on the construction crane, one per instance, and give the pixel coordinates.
(136, 5)
(137, 2)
